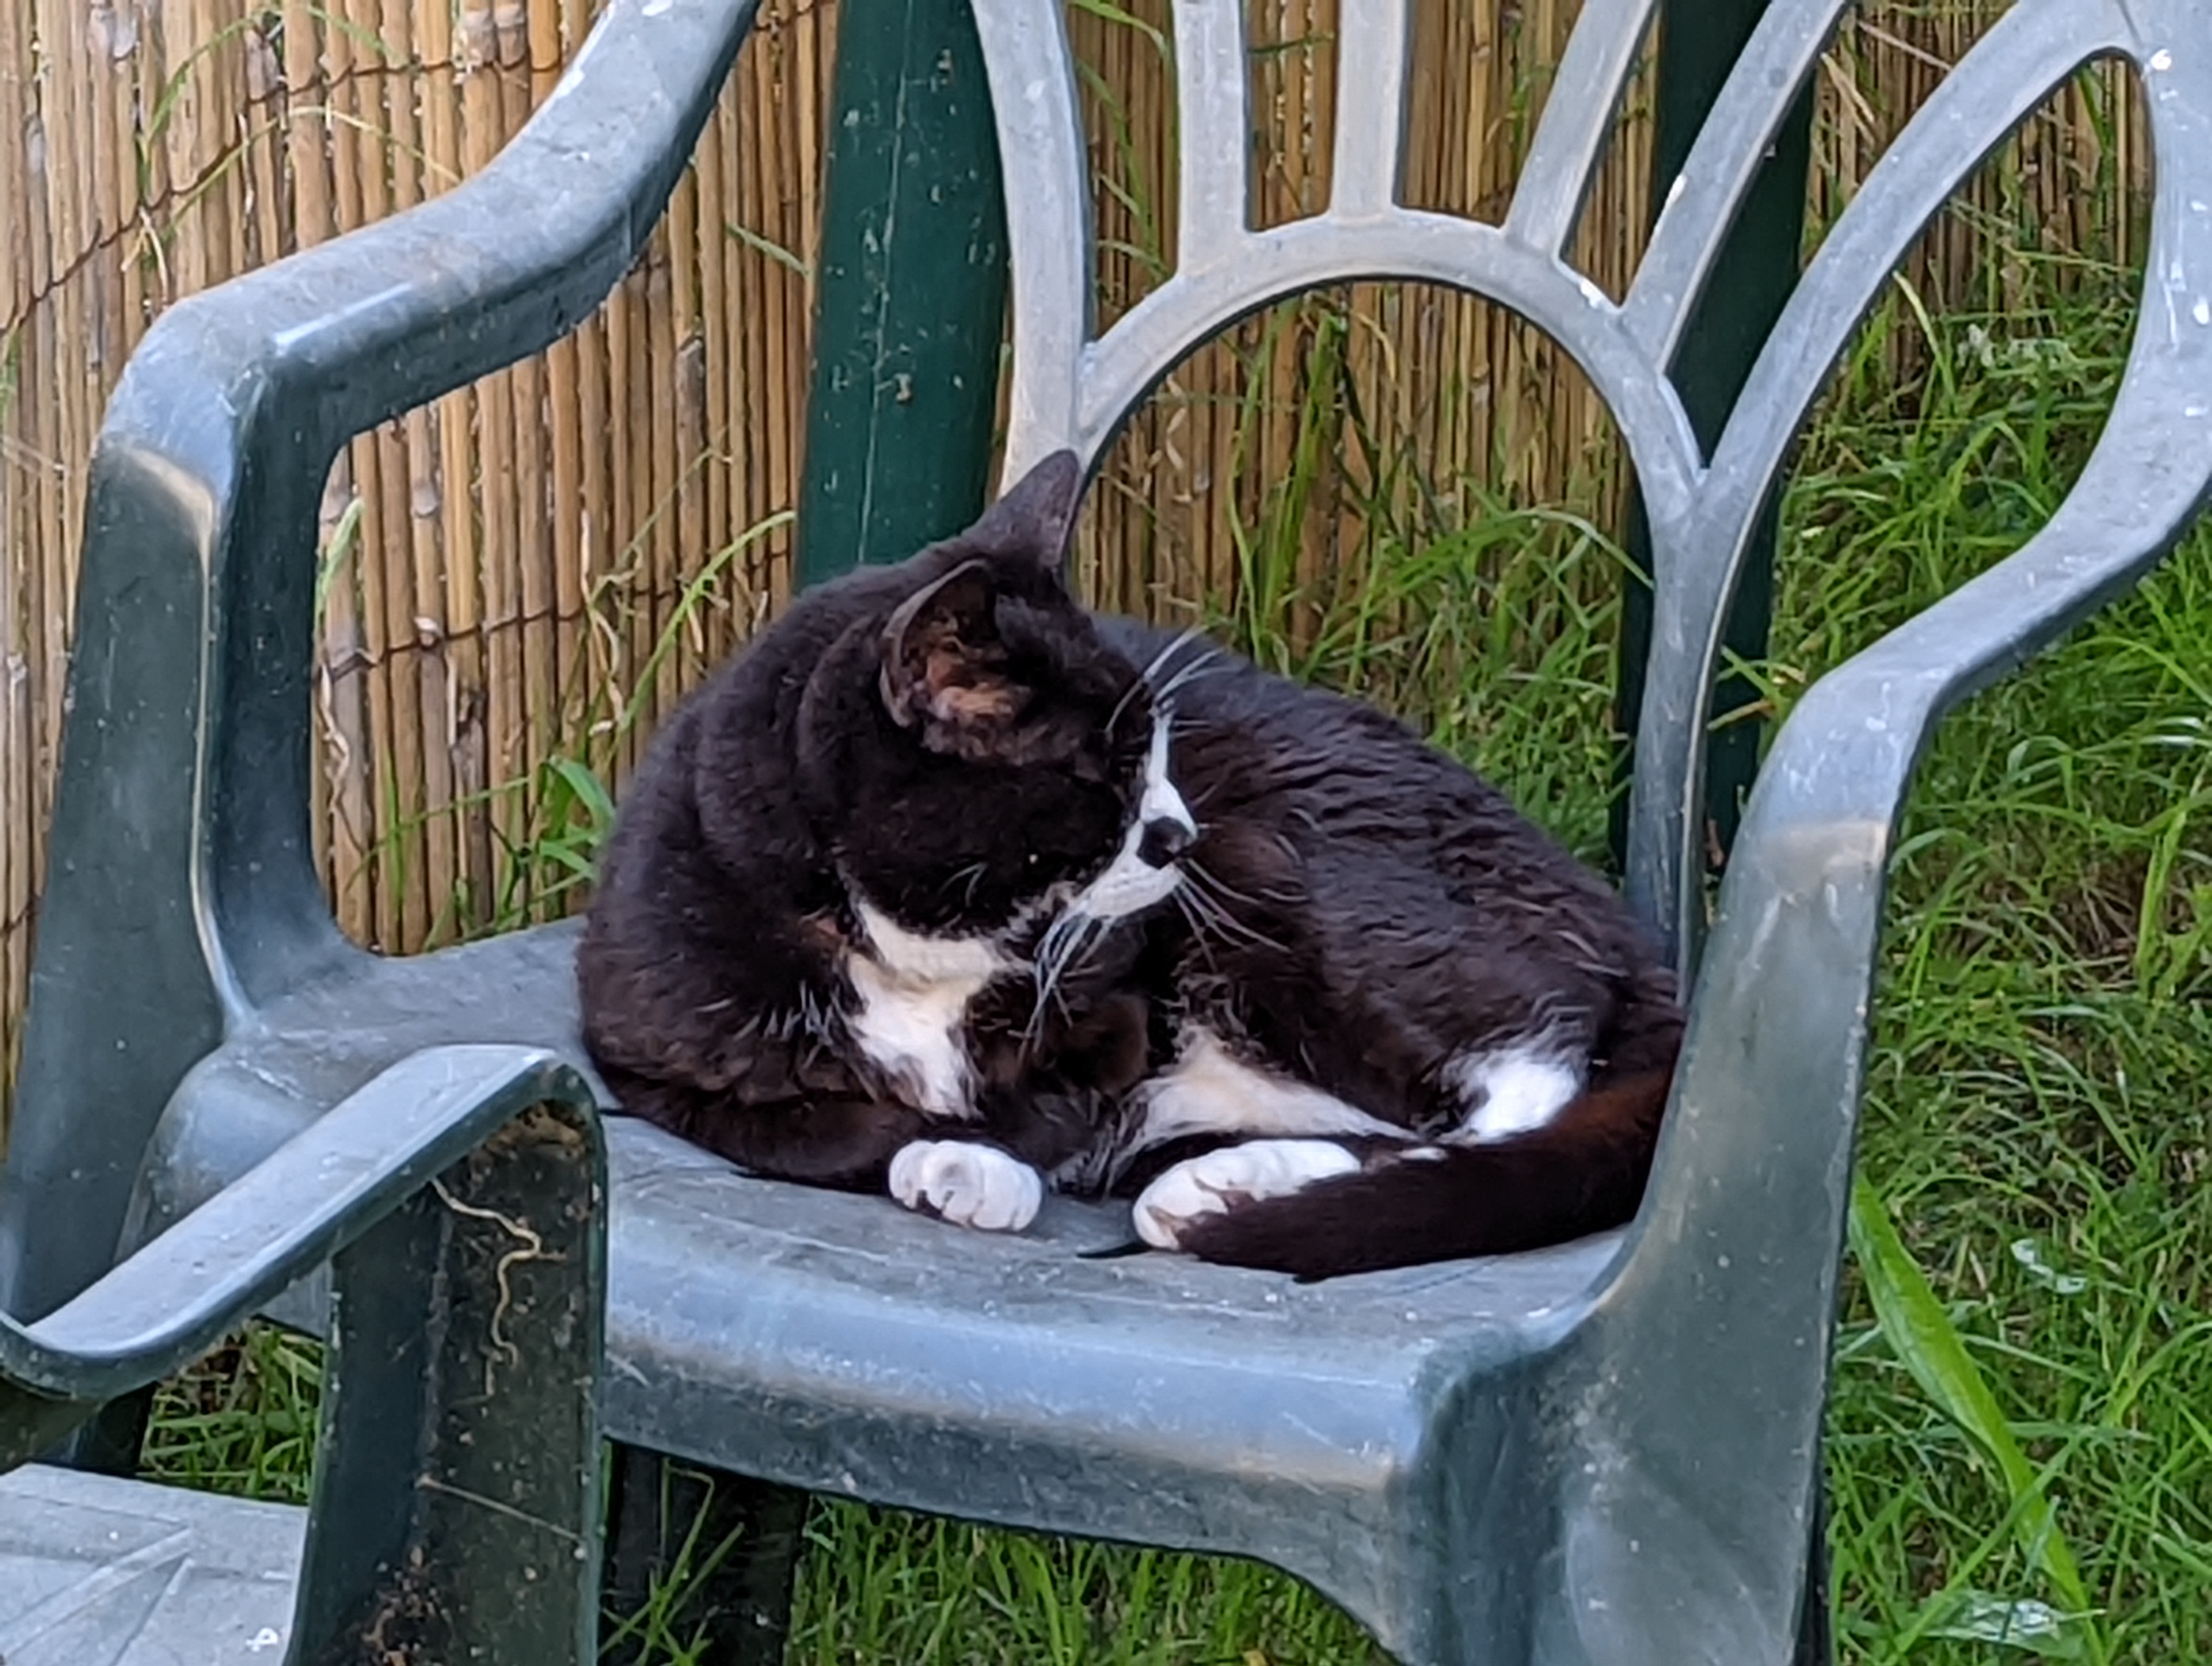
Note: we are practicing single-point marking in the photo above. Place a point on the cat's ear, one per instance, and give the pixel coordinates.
(1034, 516)
(945, 667)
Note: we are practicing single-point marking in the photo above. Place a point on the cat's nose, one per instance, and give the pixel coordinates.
(1163, 839)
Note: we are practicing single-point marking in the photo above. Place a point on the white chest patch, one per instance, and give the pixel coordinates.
(1208, 1090)
(914, 993)
(1512, 1090)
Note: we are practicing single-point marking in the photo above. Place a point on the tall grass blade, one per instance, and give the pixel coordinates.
(1930, 1347)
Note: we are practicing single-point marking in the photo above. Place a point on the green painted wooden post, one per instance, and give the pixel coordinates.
(909, 312)
(912, 292)
(1699, 43)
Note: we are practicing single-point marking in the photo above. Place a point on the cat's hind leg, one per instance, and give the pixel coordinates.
(1234, 1176)
(1404, 1204)
(1516, 1089)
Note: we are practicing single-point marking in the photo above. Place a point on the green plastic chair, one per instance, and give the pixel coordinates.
(1602, 1455)
(457, 1199)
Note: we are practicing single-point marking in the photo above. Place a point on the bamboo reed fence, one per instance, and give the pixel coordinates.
(519, 580)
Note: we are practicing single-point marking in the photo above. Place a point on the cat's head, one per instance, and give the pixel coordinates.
(976, 753)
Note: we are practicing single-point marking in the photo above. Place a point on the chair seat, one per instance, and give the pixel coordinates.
(95, 1572)
(844, 1345)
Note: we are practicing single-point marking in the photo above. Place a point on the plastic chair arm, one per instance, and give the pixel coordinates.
(315, 1194)
(184, 889)
(396, 313)
(1721, 1315)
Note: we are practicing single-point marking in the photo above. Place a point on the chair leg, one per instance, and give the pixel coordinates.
(734, 1543)
(457, 1474)
(108, 1443)
(1816, 1643)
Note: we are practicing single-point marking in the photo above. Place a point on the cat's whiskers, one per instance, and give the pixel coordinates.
(1065, 941)
(1214, 917)
(1208, 891)
(973, 873)
(1228, 892)
(1145, 676)
(1187, 903)
(1204, 796)
(1053, 953)
(812, 1016)
(1201, 666)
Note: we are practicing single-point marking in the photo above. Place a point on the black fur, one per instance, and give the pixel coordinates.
(950, 776)
(956, 744)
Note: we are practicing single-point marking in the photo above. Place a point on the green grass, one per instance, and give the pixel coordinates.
(2021, 1437)
(2035, 1120)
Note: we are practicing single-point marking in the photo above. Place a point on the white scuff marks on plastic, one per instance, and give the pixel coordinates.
(654, 8)
(575, 74)
(1591, 293)
(285, 340)
(2201, 312)
(2160, 61)
(187, 492)
(1674, 191)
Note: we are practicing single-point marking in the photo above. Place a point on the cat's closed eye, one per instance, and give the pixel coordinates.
(1093, 762)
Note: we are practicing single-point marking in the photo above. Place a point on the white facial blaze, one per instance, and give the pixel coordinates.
(1130, 884)
(1161, 802)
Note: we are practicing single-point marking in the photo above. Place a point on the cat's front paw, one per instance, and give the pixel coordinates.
(1222, 1179)
(967, 1184)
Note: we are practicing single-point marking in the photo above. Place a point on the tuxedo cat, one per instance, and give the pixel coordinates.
(949, 888)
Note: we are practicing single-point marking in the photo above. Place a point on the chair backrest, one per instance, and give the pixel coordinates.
(1692, 1387)
(1074, 386)
(1695, 1379)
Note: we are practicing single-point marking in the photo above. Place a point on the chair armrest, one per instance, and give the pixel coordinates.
(214, 447)
(396, 313)
(1768, 1086)
(308, 1200)
(1720, 1314)
(183, 890)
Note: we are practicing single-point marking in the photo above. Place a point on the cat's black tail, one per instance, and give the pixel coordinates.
(1582, 1171)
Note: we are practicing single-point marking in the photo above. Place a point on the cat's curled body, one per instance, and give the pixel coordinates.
(948, 888)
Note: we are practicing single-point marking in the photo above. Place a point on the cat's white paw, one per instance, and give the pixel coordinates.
(968, 1185)
(1221, 1180)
